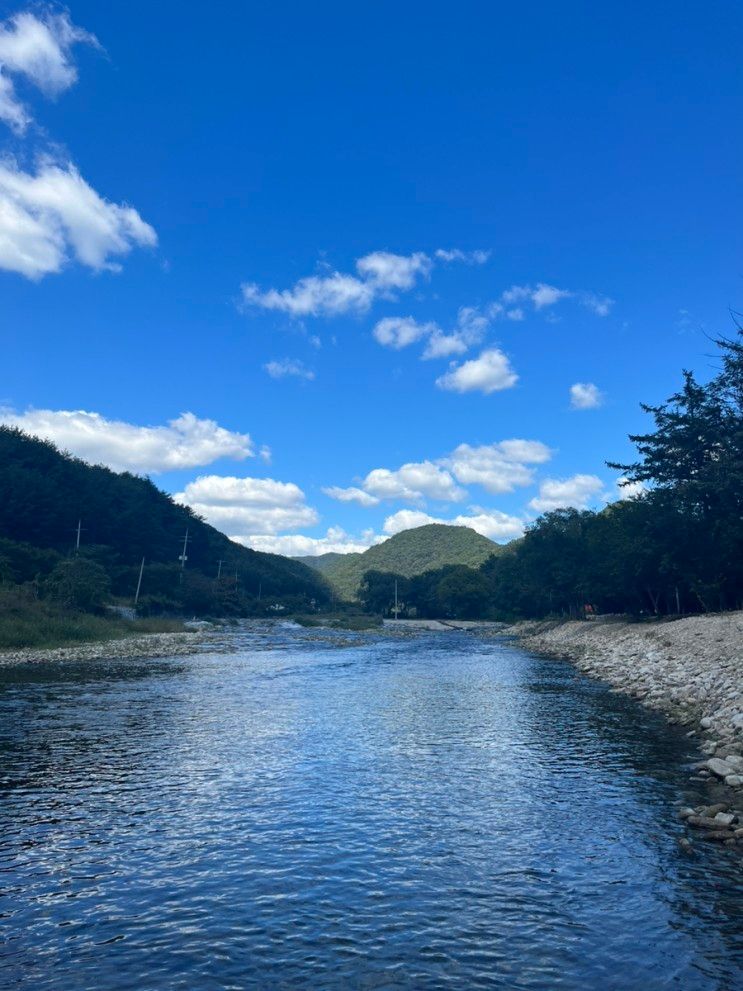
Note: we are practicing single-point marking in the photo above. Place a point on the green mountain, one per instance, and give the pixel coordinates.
(44, 494)
(412, 552)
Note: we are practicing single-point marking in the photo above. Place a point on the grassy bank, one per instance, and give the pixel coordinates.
(40, 624)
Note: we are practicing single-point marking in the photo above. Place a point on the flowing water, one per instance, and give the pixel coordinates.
(305, 809)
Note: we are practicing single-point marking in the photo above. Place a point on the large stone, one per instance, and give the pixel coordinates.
(725, 818)
(704, 822)
(720, 767)
(734, 780)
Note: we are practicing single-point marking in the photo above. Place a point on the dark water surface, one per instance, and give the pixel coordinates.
(315, 810)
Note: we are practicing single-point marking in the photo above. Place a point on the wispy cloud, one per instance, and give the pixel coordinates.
(477, 257)
(471, 327)
(380, 274)
(38, 48)
(351, 494)
(399, 332)
(288, 368)
(543, 296)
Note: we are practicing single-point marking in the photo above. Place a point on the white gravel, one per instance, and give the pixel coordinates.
(145, 645)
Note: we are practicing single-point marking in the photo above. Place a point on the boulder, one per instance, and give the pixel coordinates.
(720, 767)
(724, 818)
(704, 822)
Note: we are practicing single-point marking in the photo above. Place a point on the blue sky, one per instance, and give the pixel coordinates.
(392, 262)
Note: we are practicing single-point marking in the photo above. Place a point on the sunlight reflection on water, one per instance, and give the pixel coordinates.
(310, 809)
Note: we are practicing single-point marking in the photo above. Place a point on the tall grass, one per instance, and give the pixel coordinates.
(29, 622)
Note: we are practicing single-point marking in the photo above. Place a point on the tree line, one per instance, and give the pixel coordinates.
(45, 494)
(675, 548)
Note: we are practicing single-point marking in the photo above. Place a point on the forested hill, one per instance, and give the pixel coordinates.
(44, 493)
(409, 553)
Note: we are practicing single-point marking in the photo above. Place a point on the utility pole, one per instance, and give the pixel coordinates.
(183, 556)
(78, 531)
(139, 583)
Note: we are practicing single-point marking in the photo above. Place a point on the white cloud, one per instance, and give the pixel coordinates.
(329, 295)
(491, 372)
(492, 523)
(579, 491)
(185, 442)
(629, 490)
(336, 540)
(600, 305)
(289, 368)
(351, 494)
(585, 395)
(47, 216)
(407, 519)
(543, 296)
(442, 345)
(399, 332)
(500, 467)
(413, 482)
(38, 48)
(477, 257)
(244, 507)
(380, 274)
(385, 270)
(540, 296)
(471, 327)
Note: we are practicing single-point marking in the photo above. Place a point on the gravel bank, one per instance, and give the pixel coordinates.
(690, 669)
(146, 645)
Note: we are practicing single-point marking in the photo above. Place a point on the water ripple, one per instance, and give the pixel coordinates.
(314, 809)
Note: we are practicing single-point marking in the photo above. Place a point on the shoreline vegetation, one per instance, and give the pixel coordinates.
(29, 624)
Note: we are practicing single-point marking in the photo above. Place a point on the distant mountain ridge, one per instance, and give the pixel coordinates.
(410, 553)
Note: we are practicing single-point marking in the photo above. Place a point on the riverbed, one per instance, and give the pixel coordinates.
(303, 808)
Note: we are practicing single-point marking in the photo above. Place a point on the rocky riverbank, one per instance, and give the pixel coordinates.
(690, 669)
(123, 648)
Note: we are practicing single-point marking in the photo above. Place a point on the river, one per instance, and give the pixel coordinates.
(311, 809)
